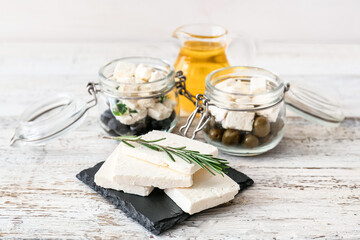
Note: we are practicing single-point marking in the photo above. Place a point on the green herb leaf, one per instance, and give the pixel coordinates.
(122, 108)
(133, 111)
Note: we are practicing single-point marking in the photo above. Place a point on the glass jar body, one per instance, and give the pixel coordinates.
(248, 123)
(238, 139)
(137, 108)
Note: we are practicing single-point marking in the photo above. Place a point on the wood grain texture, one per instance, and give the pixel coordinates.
(308, 187)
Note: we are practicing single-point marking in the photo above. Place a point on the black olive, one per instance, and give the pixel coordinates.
(140, 127)
(231, 137)
(215, 134)
(250, 141)
(261, 126)
(106, 116)
(162, 124)
(118, 127)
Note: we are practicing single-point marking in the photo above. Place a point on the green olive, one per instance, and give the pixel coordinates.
(250, 141)
(210, 125)
(267, 139)
(231, 137)
(276, 126)
(215, 134)
(261, 126)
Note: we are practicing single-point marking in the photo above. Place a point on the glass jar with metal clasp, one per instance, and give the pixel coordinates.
(243, 110)
(126, 106)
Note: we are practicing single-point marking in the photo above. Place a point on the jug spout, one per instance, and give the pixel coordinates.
(201, 32)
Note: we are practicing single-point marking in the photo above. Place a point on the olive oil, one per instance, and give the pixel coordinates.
(197, 59)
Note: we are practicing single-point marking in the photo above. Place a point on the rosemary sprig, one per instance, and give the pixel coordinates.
(206, 161)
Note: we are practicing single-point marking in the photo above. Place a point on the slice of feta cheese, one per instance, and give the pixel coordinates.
(206, 192)
(257, 85)
(218, 113)
(161, 158)
(104, 178)
(132, 171)
(239, 120)
(124, 70)
(156, 75)
(143, 73)
(159, 111)
(130, 118)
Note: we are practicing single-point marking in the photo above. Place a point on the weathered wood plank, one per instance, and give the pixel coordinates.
(307, 187)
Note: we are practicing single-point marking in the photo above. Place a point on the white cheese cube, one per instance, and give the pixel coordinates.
(169, 103)
(161, 158)
(239, 120)
(143, 73)
(206, 192)
(104, 178)
(139, 103)
(132, 171)
(218, 113)
(130, 118)
(156, 75)
(159, 111)
(271, 113)
(124, 70)
(233, 85)
(257, 85)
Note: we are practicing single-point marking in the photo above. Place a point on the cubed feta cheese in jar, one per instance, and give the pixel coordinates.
(257, 85)
(124, 70)
(143, 73)
(218, 113)
(239, 120)
(129, 118)
(159, 111)
(156, 75)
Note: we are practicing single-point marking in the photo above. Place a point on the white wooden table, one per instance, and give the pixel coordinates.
(305, 188)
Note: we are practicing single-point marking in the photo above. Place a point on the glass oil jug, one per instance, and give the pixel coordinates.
(203, 50)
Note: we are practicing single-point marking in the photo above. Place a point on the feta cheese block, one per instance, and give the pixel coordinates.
(239, 120)
(131, 171)
(104, 178)
(207, 191)
(161, 158)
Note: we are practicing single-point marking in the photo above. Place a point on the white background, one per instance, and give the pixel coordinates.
(298, 21)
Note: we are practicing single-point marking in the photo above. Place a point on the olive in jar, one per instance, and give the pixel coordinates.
(261, 126)
(231, 137)
(250, 141)
(215, 134)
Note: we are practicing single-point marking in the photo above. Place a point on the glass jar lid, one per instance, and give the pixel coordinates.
(52, 117)
(307, 103)
(313, 106)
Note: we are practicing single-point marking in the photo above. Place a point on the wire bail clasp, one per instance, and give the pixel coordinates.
(181, 87)
(92, 90)
(201, 106)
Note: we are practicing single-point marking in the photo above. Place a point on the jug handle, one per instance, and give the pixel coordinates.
(241, 50)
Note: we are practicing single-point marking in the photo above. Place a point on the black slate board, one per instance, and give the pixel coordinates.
(156, 212)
